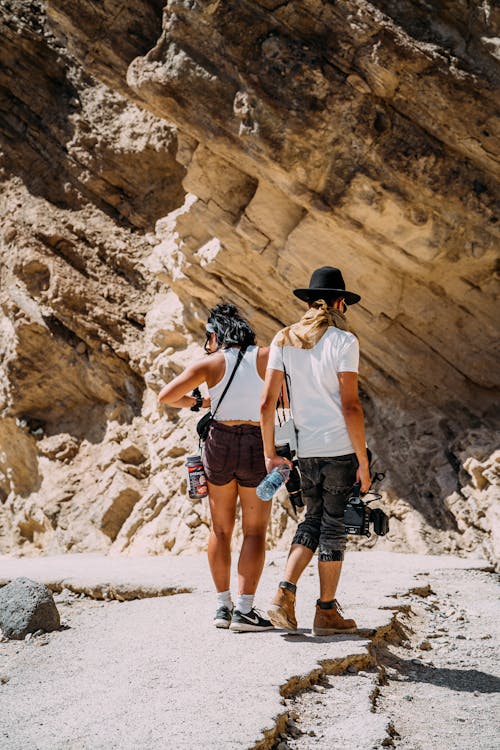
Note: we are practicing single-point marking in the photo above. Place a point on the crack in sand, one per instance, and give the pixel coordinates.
(122, 593)
(397, 656)
(393, 631)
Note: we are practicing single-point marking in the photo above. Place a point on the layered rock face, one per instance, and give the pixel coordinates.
(225, 149)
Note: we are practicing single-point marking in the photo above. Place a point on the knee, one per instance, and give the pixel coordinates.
(257, 536)
(222, 535)
(330, 555)
(332, 541)
(312, 523)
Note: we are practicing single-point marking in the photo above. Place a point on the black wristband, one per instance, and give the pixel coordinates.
(199, 400)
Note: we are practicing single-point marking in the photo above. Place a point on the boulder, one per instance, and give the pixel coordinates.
(25, 607)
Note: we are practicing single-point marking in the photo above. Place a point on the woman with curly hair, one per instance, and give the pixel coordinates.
(233, 457)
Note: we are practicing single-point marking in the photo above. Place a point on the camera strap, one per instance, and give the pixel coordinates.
(280, 405)
(285, 430)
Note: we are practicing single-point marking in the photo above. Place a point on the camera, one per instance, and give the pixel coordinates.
(358, 516)
(293, 485)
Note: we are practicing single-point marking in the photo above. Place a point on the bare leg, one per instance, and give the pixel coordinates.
(299, 558)
(255, 518)
(223, 512)
(329, 574)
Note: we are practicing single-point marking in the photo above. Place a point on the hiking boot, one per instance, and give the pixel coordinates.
(330, 621)
(222, 617)
(282, 610)
(251, 622)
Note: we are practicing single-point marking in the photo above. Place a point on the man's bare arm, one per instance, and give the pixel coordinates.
(272, 388)
(353, 415)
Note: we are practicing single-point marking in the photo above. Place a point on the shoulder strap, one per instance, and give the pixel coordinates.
(281, 401)
(287, 377)
(241, 354)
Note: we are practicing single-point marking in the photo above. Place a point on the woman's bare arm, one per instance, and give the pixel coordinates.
(176, 392)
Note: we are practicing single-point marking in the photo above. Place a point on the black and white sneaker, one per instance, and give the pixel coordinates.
(222, 617)
(250, 623)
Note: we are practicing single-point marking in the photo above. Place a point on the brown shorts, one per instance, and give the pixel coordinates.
(234, 452)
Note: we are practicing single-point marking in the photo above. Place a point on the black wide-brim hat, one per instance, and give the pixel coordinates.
(326, 282)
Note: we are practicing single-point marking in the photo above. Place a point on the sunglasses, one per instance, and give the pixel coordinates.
(206, 345)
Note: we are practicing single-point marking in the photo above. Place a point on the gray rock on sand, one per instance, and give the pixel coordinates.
(27, 606)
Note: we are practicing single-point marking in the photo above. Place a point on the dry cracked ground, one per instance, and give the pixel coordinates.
(434, 683)
(152, 673)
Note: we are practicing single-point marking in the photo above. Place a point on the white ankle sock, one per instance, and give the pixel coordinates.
(224, 599)
(244, 603)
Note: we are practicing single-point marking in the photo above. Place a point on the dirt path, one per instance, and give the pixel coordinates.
(435, 683)
(154, 673)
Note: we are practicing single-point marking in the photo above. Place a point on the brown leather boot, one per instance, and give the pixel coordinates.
(282, 610)
(330, 621)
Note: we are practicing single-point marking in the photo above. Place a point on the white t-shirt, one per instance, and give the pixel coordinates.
(315, 393)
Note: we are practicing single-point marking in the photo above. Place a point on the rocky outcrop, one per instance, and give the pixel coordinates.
(224, 150)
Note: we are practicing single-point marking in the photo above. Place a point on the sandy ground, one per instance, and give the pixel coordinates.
(153, 673)
(436, 682)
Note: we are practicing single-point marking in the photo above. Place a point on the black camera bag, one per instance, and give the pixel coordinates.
(203, 425)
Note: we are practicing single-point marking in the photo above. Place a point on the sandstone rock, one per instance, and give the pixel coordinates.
(93, 151)
(62, 447)
(356, 134)
(120, 493)
(130, 453)
(25, 607)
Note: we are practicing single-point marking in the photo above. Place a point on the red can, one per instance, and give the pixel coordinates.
(197, 481)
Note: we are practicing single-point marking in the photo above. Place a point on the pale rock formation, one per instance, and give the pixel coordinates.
(153, 164)
(476, 507)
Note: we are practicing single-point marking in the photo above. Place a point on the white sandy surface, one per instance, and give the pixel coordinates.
(154, 673)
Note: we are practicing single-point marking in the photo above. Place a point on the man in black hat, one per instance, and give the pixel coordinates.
(319, 358)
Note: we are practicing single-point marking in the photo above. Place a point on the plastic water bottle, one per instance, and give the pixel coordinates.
(273, 481)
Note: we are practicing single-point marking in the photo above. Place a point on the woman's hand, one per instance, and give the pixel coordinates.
(206, 402)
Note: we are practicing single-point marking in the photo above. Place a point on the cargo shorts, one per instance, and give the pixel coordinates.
(326, 486)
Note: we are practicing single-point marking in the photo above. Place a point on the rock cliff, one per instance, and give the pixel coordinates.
(158, 156)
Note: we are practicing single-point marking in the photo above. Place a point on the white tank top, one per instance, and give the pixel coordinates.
(242, 400)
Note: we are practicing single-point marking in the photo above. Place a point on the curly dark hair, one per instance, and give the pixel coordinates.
(229, 326)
